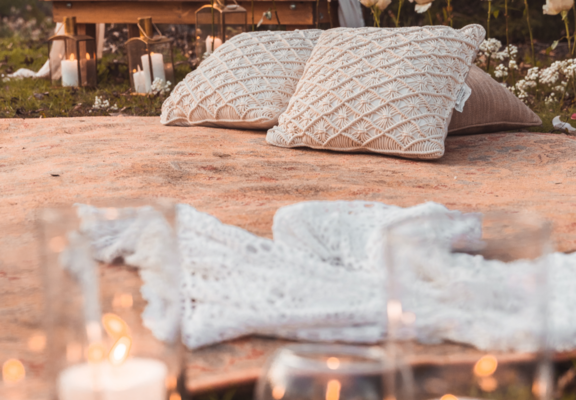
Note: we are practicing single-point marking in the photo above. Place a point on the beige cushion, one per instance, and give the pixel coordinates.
(246, 83)
(490, 108)
(389, 91)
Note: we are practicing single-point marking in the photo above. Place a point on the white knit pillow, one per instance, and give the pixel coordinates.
(389, 91)
(246, 83)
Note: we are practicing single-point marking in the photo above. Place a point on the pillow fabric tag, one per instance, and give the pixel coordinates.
(462, 97)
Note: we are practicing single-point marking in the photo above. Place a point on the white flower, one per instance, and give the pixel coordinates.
(383, 4)
(555, 7)
(369, 3)
(501, 71)
(159, 86)
(422, 5)
(100, 104)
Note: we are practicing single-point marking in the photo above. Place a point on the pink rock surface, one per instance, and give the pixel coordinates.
(240, 179)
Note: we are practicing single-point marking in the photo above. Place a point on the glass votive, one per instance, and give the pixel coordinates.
(325, 372)
(113, 303)
(23, 361)
(466, 304)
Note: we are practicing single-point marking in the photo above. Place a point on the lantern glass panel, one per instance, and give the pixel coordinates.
(209, 31)
(234, 21)
(78, 66)
(87, 57)
(161, 56)
(108, 337)
(148, 61)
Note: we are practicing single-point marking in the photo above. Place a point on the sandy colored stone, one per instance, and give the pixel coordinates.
(237, 177)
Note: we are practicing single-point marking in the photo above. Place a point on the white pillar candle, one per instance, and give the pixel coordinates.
(157, 67)
(217, 43)
(137, 378)
(139, 82)
(70, 72)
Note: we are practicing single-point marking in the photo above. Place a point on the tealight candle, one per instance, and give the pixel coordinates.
(136, 378)
(70, 72)
(139, 81)
(217, 42)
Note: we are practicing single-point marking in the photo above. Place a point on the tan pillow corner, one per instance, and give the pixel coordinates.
(490, 108)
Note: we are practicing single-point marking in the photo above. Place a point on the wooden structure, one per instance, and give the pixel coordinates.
(294, 14)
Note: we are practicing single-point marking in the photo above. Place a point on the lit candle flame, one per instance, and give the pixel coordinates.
(115, 326)
(448, 397)
(120, 351)
(488, 384)
(333, 363)
(87, 56)
(72, 57)
(333, 390)
(13, 371)
(485, 366)
(278, 392)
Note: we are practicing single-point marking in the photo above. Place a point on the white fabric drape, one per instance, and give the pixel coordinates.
(350, 14)
(321, 279)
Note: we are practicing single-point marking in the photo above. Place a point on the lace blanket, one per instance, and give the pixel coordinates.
(318, 279)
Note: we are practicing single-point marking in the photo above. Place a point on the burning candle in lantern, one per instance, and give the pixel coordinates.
(88, 68)
(116, 377)
(70, 71)
(216, 42)
(139, 81)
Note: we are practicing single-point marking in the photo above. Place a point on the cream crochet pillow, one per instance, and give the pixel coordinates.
(246, 83)
(389, 91)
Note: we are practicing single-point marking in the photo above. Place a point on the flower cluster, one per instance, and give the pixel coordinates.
(550, 84)
(160, 87)
(100, 104)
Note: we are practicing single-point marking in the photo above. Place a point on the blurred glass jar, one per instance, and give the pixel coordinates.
(326, 372)
(467, 300)
(23, 360)
(113, 332)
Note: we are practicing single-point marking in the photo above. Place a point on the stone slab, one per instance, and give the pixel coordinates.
(237, 177)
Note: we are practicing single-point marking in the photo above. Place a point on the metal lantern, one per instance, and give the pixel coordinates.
(79, 63)
(217, 23)
(150, 58)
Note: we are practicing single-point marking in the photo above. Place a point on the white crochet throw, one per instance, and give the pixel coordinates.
(320, 280)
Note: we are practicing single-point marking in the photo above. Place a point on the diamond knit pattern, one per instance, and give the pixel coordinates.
(246, 83)
(389, 91)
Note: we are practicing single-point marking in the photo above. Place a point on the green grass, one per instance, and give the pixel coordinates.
(36, 98)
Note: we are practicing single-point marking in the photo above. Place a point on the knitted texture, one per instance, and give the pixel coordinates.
(389, 91)
(246, 83)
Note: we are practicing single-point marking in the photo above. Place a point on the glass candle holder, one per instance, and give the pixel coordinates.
(79, 65)
(467, 304)
(113, 320)
(150, 58)
(329, 372)
(23, 358)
